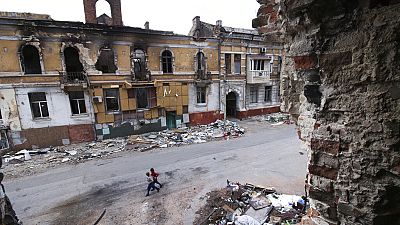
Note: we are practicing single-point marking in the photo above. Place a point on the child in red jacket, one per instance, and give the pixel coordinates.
(155, 175)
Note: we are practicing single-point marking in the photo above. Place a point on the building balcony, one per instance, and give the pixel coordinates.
(74, 79)
(258, 76)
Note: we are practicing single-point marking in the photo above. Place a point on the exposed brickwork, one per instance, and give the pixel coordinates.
(205, 118)
(256, 112)
(340, 67)
(90, 11)
(81, 133)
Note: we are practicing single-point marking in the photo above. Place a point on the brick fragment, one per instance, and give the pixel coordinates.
(327, 146)
(323, 171)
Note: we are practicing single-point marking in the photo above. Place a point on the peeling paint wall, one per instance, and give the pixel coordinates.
(9, 109)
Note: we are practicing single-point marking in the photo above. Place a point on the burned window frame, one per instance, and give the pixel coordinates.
(65, 61)
(108, 97)
(139, 58)
(40, 105)
(108, 61)
(38, 60)
(201, 95)
(253, 94)
(167, 62)
(79, 102)
(151, 97)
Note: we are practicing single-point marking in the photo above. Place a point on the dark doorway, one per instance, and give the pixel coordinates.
(31, 60)
(171, 120)
(72, 62)
(231, 104)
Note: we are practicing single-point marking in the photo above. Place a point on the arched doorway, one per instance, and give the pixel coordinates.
(231, 104)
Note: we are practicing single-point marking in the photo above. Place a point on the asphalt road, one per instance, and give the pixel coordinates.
(266, 155)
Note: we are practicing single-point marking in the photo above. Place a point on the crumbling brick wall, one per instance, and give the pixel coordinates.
(341, 82)
(90, 11)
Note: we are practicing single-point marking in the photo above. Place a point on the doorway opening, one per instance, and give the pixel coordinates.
(231, 100)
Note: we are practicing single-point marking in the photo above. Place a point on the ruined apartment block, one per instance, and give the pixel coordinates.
(341, 82)
(66, 82)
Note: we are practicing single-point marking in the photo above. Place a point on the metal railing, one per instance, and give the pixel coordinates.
(260, 73)
(73, 77)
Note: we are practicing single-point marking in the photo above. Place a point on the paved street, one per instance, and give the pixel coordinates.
(266, 155)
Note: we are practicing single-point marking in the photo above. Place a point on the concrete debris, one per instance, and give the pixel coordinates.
(50, 157)
(274, 119)
(251, 205)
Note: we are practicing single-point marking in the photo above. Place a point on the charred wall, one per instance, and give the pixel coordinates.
(341, 82)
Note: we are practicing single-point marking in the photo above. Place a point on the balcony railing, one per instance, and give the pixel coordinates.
(73, 78)
(203, 75)
(260, 73)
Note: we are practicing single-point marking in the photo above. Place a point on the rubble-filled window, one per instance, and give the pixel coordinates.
(38, 104)
(31, 60)
(201, 95)
(106, 61)
(72, 62)
(237, 62)
(253, 94)
(268, 94)
(145, 97)
(166, 61)
(228, 69)
(112, 99)
(77, 102)
(3, 140)
(139, 64)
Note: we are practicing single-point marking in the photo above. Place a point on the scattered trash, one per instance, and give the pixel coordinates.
(249, 204)
(65, 160)
(275, 119)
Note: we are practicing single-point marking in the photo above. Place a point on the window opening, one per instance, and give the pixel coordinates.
(201, 95)
(106, 61)
(112, 99)
(3, 140)
(237, 62)
(268, 94)
(38, 104)
(103, 8)
(253, 94)
(72, 62)
(166, 61)
(228, 69)
(139, 64)
(77, 102)
(31, 60)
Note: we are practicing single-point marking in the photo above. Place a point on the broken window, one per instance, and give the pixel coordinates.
(268, 94)
(30, 60)
(3, 140)
(253, 94)
(106, 61)
(166, 61)
(112, 99)
(38, 104)
(145, 97)
(201, 95)
(139, 64)
(72, 62)
(258, 64)
(77, 102)
(228, 69)
(237, 62)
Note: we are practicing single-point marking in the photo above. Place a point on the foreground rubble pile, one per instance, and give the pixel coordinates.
(50, 157)
(251, 205)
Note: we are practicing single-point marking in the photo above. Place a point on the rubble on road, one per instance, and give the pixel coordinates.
(76, 153)
(251, 205)
(274, 118)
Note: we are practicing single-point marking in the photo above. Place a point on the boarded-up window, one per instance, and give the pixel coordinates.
(38, 104)
(166, 61)
(112, 99)
(201, 95)
(77, 102)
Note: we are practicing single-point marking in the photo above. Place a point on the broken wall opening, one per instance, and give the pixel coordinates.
(30, 60)
(139, 64)
(106, 61)
(72, 61)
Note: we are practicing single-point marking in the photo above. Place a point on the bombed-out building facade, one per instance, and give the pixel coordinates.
(65, 82)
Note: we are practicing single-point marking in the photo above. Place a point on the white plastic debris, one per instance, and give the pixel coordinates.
(72, 152)
(65, 160)
(246, 220)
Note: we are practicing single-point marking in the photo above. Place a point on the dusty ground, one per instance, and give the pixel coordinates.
(78, 194)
